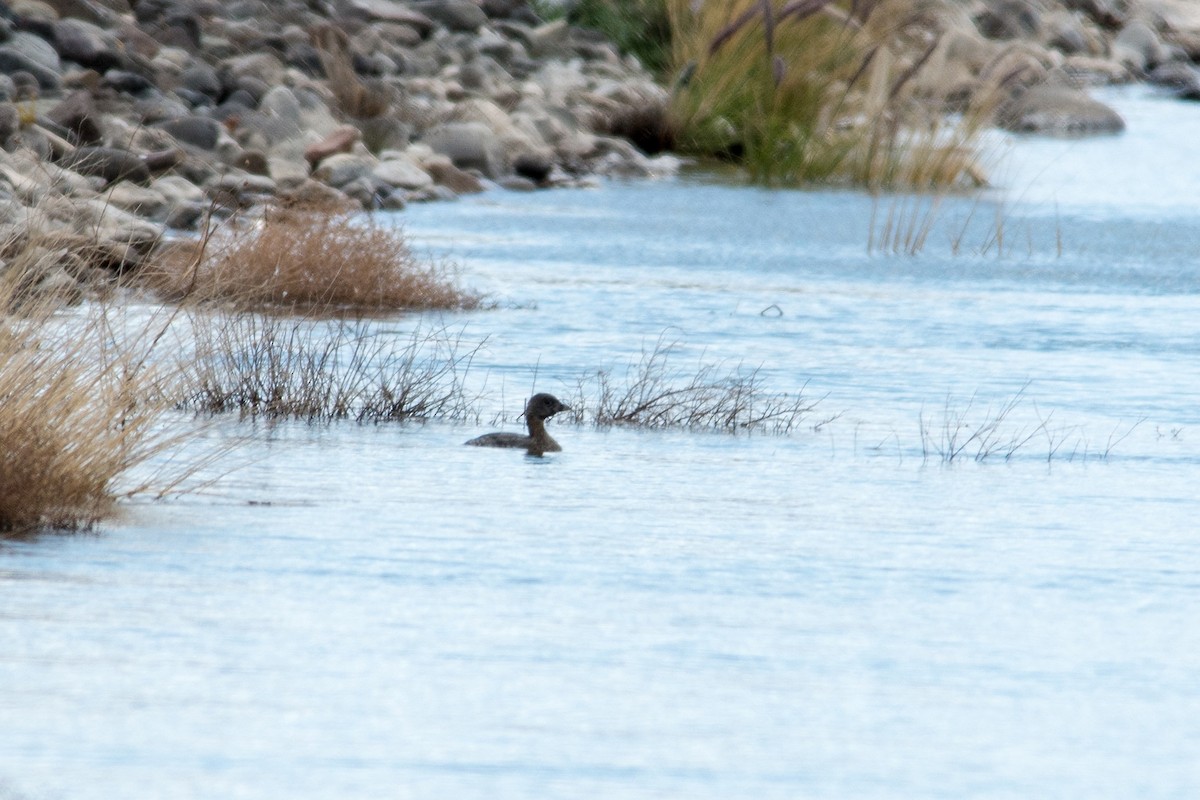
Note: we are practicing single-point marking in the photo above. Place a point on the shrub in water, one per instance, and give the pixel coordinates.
(309, 259)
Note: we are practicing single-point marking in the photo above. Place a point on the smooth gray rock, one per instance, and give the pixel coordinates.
(457, 15)
(402, 174)
(282, 103)
(36, 49)
(1059, 110)
(1009, 19)
(86, 44)
(393, 11)
(10, 121)
(127, 82)
(202, 79)
(143, 201)
(198, 131)
(14, 61)
(341, 168)
(109, 163)
(78, 115)
(469, 145)
(1138, 47)
(241, 182)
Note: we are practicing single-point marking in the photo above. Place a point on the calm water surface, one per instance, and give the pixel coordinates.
(377, 611)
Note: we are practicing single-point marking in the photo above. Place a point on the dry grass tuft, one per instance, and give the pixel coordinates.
(654, 393)
(324, 370)
(310, 260)
(82, 407)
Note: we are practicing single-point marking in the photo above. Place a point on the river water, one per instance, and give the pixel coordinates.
(843, 611)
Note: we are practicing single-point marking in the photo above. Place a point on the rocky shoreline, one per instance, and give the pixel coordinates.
(121, 120)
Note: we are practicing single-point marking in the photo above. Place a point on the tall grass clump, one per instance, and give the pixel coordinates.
(824, 91)
(320, 370)
(309, 260)
(655, 393)
(81, 408)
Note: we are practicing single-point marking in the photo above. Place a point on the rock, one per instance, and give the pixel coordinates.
(393, 11)
(1057, 109)
(186, 216)
(518, 10)
(198, 131)
(25, 84)
(127, 82)
(287, 167)
(145, 202)
(253, 161)
(240, 184)
(457, 15)
(10, 121)
(1110, 14)
(202, 79)
(367, 192)
(86, 44)
(58, 283)
(534, 166)
(14, 61)
(177, 190)
(469, 145)
(78, 115)
(340, 141)
(450, 177)
(1179, 76)
(264, 67)
(109, 163)
(1138, 47)
(401, 173)
(551, 40)
(314, 194)
(37, 50)
(97, 13)
(388, 132)
(341, 168)
(1009, 19)
(8, 89)
(162, 160)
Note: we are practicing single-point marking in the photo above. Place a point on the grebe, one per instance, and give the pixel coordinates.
(539, 409)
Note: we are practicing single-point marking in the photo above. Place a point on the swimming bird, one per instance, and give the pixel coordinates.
(540, 408)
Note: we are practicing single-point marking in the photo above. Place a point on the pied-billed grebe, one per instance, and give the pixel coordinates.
(540, 408)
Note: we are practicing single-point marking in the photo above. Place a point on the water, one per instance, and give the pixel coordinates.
(377, 611)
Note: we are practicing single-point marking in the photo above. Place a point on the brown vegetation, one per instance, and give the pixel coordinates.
(82, 407)
(322, 370)
(311, 260)
(654, 393)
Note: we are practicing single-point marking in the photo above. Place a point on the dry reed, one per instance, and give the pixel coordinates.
(310, 260)
(996, 432)
(654, 393)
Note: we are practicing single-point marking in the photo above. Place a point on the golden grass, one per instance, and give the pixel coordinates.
(309, 260)
(82, 408)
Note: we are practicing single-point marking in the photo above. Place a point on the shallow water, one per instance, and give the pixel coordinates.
(378, 611)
